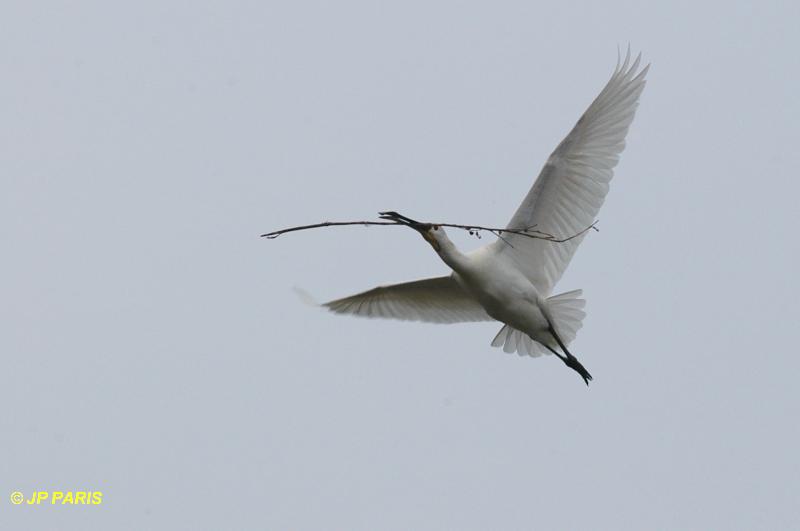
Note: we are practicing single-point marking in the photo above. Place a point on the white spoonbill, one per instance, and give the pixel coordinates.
(511, 279)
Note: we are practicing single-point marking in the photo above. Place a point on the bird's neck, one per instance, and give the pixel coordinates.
(452, 256)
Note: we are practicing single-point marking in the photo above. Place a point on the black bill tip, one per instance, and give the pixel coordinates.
(399, 218)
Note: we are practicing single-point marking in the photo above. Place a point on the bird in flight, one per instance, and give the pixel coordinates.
(511, 280)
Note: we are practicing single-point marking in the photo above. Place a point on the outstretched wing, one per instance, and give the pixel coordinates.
(570, 189)
(432, 300)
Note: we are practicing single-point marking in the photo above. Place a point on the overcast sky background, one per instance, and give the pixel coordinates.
(153, 348)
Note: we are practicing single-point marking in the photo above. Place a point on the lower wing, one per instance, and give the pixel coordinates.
(431, 300)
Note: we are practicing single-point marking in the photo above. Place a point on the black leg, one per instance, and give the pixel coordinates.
(568, 359)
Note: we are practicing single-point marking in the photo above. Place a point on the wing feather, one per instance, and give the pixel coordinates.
(431, 300)
(573, 184)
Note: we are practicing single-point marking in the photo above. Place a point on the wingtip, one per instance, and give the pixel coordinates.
(625, 66)
(306, 297)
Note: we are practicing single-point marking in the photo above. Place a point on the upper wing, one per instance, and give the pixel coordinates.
(573, 184)
(433, 300)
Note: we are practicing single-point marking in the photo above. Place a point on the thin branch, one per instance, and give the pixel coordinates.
(474, 230)
(275, 234)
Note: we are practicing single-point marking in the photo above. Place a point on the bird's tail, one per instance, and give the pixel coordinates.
(566, 317)
(567, 312)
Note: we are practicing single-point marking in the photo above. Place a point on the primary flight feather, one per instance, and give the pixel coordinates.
(511, 280)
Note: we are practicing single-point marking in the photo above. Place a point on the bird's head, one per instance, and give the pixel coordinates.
(432, 233)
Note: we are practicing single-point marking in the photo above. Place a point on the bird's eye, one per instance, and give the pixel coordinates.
(436, 227)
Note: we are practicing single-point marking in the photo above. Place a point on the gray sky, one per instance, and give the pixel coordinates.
(152, 346)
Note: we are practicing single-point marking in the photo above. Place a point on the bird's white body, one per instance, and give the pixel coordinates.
(501, 289)
(511, 279)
